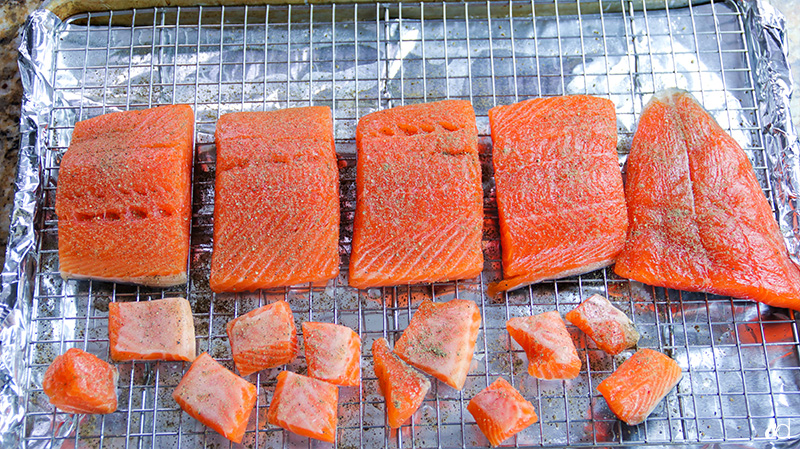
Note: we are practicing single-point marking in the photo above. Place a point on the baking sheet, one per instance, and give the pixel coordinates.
(741, 365)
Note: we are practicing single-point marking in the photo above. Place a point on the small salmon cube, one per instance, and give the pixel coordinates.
(213, 395)
(501, 412)
(639, 384)
(440, 340)
(79, 382)
(333, 353)
(162, 329)
(546, 341)
(403, 387)
(263, 338)
(610, 329)
(305, 406)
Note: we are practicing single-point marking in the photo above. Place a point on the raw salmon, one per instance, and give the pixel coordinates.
(610, 329)
(305, 406)
(419, 210)
(549, 347)
(162, 329)
(639, 384)
(263, 338)
(501, 412)
(699, 219)
(276, 210)
(559, 188)
(79, 382)
(403, 387)
(333, 353)
(123, 197)
(216, 397)
(440, 340)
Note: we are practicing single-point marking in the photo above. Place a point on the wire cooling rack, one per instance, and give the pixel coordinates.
(740, 359)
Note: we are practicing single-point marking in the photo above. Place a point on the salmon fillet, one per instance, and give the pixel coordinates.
(216, 397)
(639, 384)
(548, 345)
(305, 406)
(419, 211)
(501, 412)
(162, 329)
(610, 329)
(276, 210)
(333, 353)
(560, 197)
(699, 219)
(124, 197)
(440, 340)
(403, 387)
(263, 338)
(79, 382)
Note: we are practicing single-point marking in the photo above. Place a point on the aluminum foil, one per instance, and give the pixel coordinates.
(725, 345)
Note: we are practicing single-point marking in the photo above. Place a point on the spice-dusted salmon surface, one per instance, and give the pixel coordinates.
(419, 210)
(639, 384)
(440, 340)
(333, 353)
(560, 197)
(123, 197)
(550, 350)
(276, 210)
(216, 397)
(263, 338)
(501, 412)
(79, 382)
(161, 329)
(305, 406)
(403, 387)
(699, 219)
(609, 328)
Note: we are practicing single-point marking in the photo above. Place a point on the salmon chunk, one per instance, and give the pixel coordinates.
(263, 338)
(79, 382)
(333, 353)
(609, 328)
(161, 329)
(403, 387)
(548, 345)
(501, 412)
(305, 406)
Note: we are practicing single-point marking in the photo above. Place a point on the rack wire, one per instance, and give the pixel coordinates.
(740, 359)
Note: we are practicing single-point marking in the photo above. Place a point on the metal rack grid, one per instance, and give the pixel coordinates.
(740, 360)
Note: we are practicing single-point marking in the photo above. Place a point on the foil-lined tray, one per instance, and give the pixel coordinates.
(741, 360)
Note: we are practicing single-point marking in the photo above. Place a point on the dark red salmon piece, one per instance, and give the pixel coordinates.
(403, 387)
(548, 345)
(79, 382)
(560, 197)
(440, 340)
(610, 329)
(699, 219)
(419, 211)
(305, 406)
(501, 412)
(276, 210)
(161, 329)
(639, 384)
(216, 397)
(123, 197)
(263, 338)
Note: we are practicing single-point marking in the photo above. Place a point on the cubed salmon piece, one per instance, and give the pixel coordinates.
(333, 353)
(263, 338)
(305, 406)
(403, 387)
(161, 329)
(609, 328)
(548, 345)
(213, 395)
(501, 412)
(79, 382)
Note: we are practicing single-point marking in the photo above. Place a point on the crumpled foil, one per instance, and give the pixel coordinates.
(750, 324)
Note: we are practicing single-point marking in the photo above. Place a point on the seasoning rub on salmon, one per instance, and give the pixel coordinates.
(609, 328)
(123, 197)
(263, 338)
(548, 345)
(79, 382)
(419, 210)
(403, 387)
(559, 188)
(699, 219)
(333, 353)
(276, 211)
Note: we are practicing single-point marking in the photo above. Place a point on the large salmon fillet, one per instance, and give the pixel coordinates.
(419, 212)
(276, 211)
(124, 197)
(560, 197)
(699, 219)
